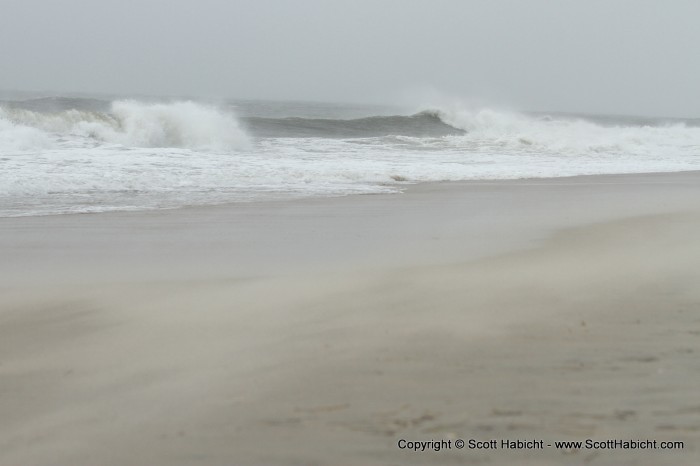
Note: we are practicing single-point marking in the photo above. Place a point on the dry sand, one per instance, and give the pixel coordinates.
(324, 331)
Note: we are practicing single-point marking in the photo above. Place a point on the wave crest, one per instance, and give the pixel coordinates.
(130, 123)
(558, 134)
(423, 124)
(18, 137)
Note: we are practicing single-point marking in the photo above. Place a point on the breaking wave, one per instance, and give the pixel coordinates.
(18, 137)
(37, 124)
(490, 130)
(129, 123)
(496, 131)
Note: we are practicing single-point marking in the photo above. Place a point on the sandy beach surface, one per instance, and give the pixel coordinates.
(325, 331)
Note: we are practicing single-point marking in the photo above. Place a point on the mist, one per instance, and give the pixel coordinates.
(623, 57)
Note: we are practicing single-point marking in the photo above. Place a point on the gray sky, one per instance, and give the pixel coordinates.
(614, 56)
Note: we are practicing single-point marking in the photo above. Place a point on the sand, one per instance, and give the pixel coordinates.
(325, 331)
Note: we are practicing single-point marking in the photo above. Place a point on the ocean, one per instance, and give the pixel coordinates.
(61, 155)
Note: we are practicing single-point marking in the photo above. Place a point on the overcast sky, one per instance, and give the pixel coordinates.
(613, 56)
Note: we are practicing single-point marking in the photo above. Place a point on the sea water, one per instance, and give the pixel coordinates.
(76, 155)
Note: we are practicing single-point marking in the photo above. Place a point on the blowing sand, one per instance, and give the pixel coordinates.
(324, 331)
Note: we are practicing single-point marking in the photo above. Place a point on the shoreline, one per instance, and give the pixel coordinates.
(436, 221)
(406, 188)
(559, 309)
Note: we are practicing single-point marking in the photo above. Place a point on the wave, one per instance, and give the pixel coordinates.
(42, 123)
(423, 124)
(490, 130)
(17, 137)
(105, 156)
(129, 123)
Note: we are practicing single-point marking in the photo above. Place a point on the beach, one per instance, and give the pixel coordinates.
(326, 330)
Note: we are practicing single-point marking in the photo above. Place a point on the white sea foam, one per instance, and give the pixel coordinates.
(135, 124)
(502, 130)
(18, 137)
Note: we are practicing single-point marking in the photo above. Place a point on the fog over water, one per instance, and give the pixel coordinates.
(623, 57)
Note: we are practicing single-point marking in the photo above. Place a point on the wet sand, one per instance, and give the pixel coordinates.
(325, 331)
